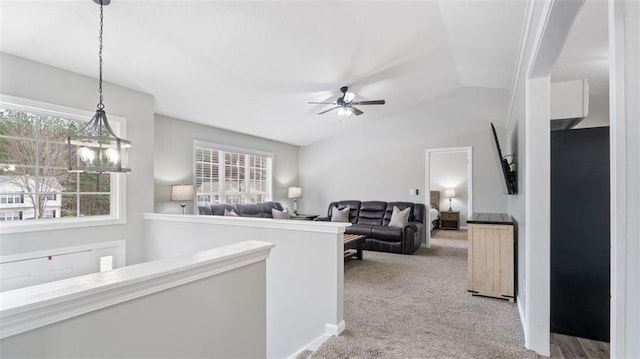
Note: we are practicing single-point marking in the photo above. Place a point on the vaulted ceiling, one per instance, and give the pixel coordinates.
(252, 66)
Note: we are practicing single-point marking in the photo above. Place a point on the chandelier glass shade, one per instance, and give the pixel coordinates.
(95, 148)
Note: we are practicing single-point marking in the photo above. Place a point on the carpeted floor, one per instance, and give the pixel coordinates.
(417, 306)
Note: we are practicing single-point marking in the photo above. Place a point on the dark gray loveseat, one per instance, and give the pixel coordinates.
(371, 218)
(259, 210)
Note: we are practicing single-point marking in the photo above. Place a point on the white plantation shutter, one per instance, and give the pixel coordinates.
(226, 174)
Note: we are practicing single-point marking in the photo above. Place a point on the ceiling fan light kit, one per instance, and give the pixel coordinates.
(345, 104)
(345, 112)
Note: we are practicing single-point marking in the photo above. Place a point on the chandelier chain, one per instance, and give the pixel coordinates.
(100, 105)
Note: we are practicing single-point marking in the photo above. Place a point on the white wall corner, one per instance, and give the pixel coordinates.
(624, 84)
(523, 320)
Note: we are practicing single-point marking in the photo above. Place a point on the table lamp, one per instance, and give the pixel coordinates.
(450, 193)
(182, 193)
(295, 193)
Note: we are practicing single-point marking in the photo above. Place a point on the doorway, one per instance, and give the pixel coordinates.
(448, 180)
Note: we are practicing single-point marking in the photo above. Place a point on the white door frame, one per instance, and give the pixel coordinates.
(549, 40)
(427, 180)
(624, 87)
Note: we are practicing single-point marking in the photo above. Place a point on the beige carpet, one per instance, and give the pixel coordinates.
(449, 238)
(417, 306)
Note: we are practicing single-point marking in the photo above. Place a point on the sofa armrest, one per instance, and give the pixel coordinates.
(409, 230)
(410, 237)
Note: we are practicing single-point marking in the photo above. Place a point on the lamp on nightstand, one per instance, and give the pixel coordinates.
(182, 193)
(450, 193)
(295, 193)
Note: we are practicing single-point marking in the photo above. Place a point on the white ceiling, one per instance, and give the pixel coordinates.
(586, 52)
(252, 66)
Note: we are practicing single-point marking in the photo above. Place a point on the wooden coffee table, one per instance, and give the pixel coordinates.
(353, 241)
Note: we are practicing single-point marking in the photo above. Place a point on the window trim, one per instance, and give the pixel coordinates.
(118, 182)
(227, 148)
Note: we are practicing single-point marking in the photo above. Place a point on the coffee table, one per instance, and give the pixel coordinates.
(353, 241)
(304, 217)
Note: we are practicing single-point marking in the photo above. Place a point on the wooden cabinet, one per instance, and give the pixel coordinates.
(491, 255)
(450, 220)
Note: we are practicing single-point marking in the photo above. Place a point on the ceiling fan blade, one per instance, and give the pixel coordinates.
(356, 111)
(322, 103)
(331, 109)
(374, 102)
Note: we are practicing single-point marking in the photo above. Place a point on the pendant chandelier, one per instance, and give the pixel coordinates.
(96, 148)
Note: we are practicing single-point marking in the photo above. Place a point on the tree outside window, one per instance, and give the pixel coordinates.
(33, 164)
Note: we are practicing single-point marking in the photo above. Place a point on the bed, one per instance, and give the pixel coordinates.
(434, 209)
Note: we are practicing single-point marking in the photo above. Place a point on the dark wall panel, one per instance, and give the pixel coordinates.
(580, 233)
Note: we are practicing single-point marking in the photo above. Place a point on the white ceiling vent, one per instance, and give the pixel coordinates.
(569, 103)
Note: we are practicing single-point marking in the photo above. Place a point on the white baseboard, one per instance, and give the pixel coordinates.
(330, 330)
(313, 346)
(317, 343)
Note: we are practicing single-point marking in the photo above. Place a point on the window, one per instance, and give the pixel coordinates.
(10, 216)
(225, 174)
(11, 198)
(34, 163)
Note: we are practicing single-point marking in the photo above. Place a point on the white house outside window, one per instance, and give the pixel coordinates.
(10, 216)
(34, 177)
(225, 174)
(11, 198)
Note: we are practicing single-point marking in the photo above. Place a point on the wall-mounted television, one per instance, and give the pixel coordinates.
(510, 177)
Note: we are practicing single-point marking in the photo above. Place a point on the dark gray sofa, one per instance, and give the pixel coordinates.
(371, 218)
(259, 210)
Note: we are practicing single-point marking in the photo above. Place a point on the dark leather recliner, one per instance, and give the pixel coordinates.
(259, 210)
(371, 218)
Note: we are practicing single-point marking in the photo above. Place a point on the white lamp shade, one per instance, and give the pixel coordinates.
(295, 192)
(182, 192)
(450, 193)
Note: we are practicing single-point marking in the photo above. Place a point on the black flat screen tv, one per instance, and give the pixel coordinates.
(510, 178)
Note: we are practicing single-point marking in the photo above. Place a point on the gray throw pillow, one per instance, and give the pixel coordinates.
(284, 214)
(230, 213)
(340, 215)
(399, 218)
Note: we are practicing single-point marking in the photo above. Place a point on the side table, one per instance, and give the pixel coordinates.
(450, 220)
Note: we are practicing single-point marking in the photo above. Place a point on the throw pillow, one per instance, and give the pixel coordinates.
(230, 213)
(399, 218)
(284, 214)
(340, 215)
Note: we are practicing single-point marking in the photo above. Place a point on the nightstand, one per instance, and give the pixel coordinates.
(450, 220)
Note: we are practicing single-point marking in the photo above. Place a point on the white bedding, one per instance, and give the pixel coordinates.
(433, 215)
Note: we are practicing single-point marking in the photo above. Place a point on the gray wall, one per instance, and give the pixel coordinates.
(386, 158)
(449, 170)
(173, 159)
(210, 318)
(32, 80)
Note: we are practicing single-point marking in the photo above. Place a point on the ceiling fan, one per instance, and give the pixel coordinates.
(345, 104)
